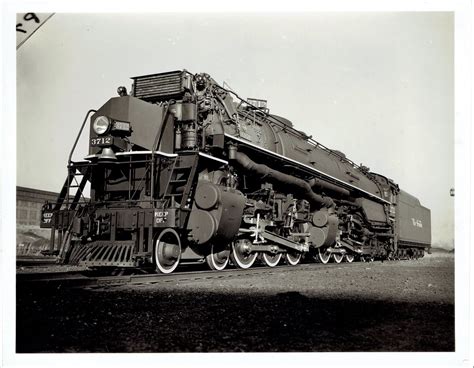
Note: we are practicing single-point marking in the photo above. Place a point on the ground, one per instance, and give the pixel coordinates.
(389, 306)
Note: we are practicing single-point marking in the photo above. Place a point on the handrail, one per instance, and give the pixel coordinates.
(309, 139)
(78, 136)
(156, 144)
(69, 160)
(282, 125)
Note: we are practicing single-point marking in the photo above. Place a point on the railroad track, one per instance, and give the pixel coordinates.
(36, 261)
(89, 280)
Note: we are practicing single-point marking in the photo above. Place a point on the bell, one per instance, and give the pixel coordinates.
(107, 154)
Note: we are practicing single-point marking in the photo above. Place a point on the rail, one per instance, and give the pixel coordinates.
(87, 279)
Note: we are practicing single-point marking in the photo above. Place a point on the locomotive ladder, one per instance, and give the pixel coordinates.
(72, 182)
(181, 180)
(75, 180)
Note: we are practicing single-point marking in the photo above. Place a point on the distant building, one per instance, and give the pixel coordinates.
(28, 204)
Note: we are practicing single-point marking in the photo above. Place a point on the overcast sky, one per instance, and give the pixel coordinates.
(377, 86)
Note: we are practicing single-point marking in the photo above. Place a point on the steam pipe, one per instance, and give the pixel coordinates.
(349, 203)
(280, 178)
(329, 186)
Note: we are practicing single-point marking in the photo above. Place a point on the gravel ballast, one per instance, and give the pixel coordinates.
(389, 306)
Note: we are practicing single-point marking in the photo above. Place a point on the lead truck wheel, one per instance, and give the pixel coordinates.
(167, 251)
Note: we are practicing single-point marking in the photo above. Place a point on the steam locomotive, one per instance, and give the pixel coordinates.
(183, 170)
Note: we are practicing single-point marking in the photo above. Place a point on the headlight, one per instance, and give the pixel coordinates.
(101, 125)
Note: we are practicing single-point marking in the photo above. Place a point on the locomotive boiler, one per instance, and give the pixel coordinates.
(183, 170)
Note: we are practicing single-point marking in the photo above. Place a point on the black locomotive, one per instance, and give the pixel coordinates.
(184, 170)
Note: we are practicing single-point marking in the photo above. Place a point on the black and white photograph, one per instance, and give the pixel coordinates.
(237, 181)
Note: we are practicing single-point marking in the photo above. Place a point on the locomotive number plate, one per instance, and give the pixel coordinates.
(102, 141)
(46, 217)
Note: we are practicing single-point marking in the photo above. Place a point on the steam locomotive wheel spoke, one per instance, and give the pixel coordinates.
(324, 256)
(338, 257)
(293, 258)
(349, 258)
(271, 260)
(218, 258)
(241, 256)
(167, 251)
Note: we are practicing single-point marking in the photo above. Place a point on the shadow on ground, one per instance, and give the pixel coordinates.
(170, 321)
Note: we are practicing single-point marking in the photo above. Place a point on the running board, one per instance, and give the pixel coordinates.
(277, 239)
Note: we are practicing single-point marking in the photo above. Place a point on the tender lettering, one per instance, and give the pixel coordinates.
(416, 222)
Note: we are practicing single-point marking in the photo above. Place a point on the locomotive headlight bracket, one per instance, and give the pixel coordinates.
(101, 125)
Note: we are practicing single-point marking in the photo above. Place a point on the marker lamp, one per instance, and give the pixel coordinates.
(121, 125)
